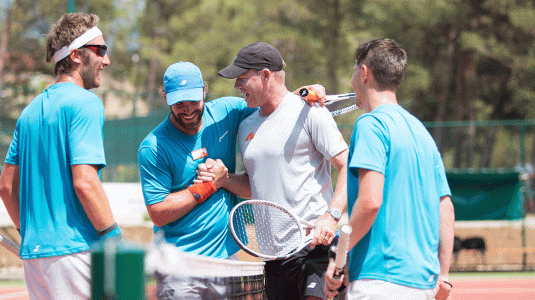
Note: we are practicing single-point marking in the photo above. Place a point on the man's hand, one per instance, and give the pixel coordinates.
(204, 172)
(443, 290)
(332, 285)
(316, 94)
(325, 230)
(212, 170)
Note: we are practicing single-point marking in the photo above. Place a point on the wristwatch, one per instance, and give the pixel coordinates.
(335, 213)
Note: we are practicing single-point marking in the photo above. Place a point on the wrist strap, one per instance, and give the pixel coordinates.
(201, 191)
(446, 282)
(110, 231)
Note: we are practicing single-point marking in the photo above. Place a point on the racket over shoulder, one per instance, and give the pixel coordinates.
(337, 104)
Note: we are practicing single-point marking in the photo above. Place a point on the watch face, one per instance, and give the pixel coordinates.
(335, 213)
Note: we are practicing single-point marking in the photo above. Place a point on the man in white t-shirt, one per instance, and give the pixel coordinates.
(288, 148)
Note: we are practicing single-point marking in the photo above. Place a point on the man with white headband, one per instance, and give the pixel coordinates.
(50, 181)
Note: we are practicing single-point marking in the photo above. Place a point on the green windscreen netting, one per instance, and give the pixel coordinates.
(486, 196)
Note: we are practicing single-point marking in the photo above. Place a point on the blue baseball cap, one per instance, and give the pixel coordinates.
(182, 81)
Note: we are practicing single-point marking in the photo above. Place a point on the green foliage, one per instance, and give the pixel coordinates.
(468, 60)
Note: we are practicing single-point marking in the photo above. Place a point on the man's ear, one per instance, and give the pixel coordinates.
(366, 73)
(75, 56)
(265, 74)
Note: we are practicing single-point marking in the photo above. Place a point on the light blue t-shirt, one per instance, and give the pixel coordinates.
(168, 160)
(402, 244)
(61, 127)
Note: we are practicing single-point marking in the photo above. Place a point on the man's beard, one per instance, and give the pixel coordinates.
(89, 74)
(192, 125)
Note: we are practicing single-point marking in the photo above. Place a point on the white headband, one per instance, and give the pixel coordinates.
(78, 42)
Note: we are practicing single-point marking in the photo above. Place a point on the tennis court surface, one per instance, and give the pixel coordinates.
(463, 289)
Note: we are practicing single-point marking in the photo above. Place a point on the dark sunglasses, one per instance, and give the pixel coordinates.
(100, 49)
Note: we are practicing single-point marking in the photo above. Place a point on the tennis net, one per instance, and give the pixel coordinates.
(212, 278)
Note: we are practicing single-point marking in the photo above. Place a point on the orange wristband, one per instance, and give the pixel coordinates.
(201, 191)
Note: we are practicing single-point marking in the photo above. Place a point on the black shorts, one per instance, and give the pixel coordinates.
(299, 276)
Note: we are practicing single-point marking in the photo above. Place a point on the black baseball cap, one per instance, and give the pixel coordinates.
(257, 56)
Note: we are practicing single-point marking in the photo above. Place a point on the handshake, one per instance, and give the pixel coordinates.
(212, 171)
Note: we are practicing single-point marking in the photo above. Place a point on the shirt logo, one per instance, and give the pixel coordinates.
(311, 285)
(199, 153)
(36, 248)
(250, 136)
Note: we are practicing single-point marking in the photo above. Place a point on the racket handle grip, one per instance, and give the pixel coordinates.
(308, 94)
(336, 275)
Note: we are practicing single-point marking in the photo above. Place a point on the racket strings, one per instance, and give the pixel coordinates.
(266, 229)
(339, 104)
(342, 106)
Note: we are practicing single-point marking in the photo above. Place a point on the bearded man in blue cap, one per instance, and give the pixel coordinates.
(193, 215)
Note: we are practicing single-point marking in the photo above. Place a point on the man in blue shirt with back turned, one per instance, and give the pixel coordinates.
(398, 195)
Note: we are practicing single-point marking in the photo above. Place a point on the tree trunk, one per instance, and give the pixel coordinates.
(151, 85)
(4, 40)
(446, 86)
(332, 64)
(471, 95)
(460, 96)
(502, 97)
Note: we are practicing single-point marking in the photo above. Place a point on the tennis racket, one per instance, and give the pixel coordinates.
(341, 252)
(9, 245)
(338, 104)
(267, 230)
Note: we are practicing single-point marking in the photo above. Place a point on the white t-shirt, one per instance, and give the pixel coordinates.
(286, 156)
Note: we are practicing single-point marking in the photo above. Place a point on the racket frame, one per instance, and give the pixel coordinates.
(330, 99)
(341, 252)
(9, 245)
(305, 240)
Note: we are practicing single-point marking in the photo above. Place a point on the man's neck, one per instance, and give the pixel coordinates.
(275, 97)
(74, 78)
(381, 98)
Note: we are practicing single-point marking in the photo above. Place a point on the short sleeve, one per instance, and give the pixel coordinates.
(156, 181)
(324, 132)
(85, 133)
(371, 145)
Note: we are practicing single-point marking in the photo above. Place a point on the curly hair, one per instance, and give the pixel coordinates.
(67, 28)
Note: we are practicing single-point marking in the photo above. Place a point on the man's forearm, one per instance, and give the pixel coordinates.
(446, 235)
(9, 192)
(239, 185)
(92, 196)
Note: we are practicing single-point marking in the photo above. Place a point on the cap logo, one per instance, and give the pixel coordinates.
(183, 82)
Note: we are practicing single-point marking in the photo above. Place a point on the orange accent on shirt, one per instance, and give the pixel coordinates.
(250, 136)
